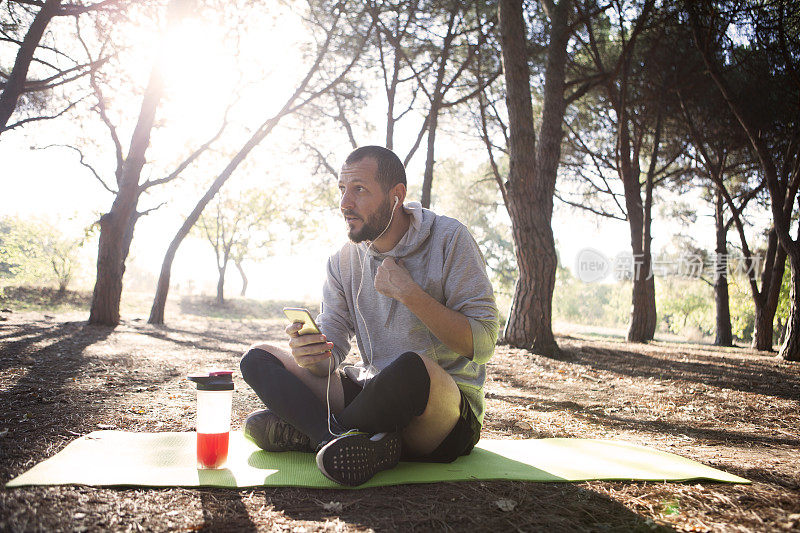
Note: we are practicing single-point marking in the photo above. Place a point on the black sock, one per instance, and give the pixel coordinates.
(286, 395)
(391, 399)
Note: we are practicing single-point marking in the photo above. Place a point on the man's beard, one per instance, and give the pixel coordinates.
(374, 225)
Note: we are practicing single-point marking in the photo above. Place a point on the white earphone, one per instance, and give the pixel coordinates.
(369, 370)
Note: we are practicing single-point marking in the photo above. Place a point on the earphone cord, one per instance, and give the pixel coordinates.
(358, 310)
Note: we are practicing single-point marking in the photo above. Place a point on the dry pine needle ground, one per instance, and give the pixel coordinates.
(731, 408)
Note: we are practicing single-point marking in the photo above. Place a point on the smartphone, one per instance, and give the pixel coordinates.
(299, 314)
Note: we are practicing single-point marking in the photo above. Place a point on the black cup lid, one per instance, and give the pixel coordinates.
(216, 380)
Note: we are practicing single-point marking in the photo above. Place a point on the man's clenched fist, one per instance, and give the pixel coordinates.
(393, 280)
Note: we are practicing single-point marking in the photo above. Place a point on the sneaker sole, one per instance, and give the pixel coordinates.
(353, 460)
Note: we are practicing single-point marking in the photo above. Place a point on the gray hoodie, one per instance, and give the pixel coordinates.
(443, 258)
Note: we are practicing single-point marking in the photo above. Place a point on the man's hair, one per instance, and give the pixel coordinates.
(390, 169)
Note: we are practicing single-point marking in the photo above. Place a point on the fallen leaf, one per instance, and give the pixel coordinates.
(505, 505)
(522, 424)
(78, 516)
(335, 507)
(106, 426)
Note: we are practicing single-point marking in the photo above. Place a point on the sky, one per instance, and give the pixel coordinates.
(51, 184)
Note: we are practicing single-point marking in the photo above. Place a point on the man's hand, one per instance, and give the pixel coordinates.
(450, 327)
(311, 351)
(393, 280)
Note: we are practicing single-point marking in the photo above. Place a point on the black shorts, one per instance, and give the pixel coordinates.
(458, 442)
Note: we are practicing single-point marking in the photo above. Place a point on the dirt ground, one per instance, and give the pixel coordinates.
(733, 409)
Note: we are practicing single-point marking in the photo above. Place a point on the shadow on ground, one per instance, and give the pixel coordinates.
(736, 370)
(471, 506)
(53, 387)
(224, 510)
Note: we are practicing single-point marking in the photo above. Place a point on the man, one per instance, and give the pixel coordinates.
(411, 286)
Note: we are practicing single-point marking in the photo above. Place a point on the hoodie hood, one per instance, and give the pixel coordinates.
(419, 229)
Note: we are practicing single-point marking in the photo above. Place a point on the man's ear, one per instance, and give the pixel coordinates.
(399, 190)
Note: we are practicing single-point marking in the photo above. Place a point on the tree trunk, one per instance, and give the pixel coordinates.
(643, 305)
(643, 319)
(643, 300)
(244, 278)
(724, 333)
(15, 84)
(433, 112)
(790, 349)
(642, 326)
(427, 180)
(643, 312)
(762, 330)
(390, 126)
(783, 326)
(63, 283)
(116, 234)
(116, 226)
(530, 319)
(221, 286)
(650, 283)
(162, 287)
(765, 301)
(532, 175)
(391, 92)
(774, 292)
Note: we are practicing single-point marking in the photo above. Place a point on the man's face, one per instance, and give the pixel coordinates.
(365, 206)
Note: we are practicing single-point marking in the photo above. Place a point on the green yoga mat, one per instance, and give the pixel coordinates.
(106, 458)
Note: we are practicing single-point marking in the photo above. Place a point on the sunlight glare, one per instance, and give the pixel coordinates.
(199, 73)
(206, 66)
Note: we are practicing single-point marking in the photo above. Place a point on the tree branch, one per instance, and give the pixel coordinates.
(488, 143)
(322, 160)
(315, 66)
(417, 142)
(473, 93)
(590, 209)
(189, 160)
(101, 108)
(54, 81)
(82, 161)
(148, 211)
(36, 119)
(596, 163)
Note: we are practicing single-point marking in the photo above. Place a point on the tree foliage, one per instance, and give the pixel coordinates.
(37, 252)
(474, 200)
(611, 108)
(46, 57)
(238, 227)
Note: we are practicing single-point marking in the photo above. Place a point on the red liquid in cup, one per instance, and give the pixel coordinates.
(212, 449)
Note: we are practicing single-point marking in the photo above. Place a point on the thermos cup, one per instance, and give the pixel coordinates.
(214, 398)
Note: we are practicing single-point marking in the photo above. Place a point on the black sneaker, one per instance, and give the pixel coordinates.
(355, 457)
(272, 434)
